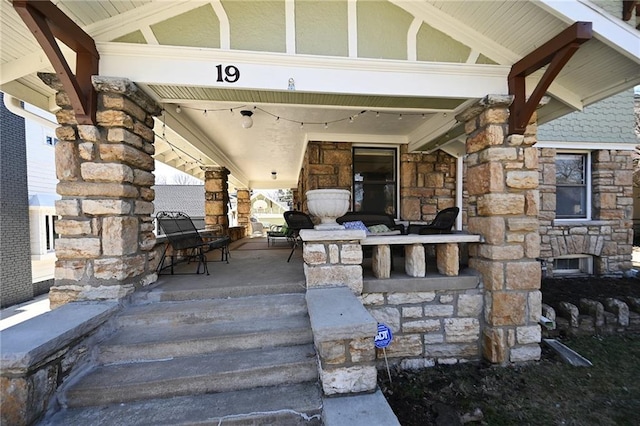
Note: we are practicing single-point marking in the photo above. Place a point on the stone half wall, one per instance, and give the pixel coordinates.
(429, 327)
(608, 237)
(427, 181)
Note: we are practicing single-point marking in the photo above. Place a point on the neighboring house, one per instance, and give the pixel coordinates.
(41, 177)
(31, 140)
(188, 199)
(266, 209)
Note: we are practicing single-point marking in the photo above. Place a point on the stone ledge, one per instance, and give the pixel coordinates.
(333, 235)
(28, 343)
(357, 410)
(336, 313)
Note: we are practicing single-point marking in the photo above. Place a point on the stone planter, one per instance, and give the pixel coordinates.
(327, 205)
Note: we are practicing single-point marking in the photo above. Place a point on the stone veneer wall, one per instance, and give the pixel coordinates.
(427, 181)
(427, 184)
(106, 244)
(441, 326)
(325, 165)
(608, 237)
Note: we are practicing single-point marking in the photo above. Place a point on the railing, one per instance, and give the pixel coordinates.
(447, 252)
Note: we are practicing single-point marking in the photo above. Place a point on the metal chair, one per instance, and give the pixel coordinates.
(183, 236)
(441, 224)
(296, 221)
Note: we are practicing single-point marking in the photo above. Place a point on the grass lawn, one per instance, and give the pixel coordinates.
(548, 392)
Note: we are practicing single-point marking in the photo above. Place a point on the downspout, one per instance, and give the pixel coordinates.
(14, 105)
(460, 168)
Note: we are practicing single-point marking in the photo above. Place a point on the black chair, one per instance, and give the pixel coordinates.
(183, 236)
(296, 221)
(441, 224)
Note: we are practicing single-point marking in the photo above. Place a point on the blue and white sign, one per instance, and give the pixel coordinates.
(384, 336)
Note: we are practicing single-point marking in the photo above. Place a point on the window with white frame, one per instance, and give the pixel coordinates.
(573, 265)
(573, 188)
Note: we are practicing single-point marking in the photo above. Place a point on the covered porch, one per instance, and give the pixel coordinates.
(246, 97)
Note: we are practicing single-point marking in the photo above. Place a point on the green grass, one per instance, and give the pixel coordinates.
(548, 392)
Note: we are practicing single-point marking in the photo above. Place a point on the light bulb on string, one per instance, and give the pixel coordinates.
(178, 109)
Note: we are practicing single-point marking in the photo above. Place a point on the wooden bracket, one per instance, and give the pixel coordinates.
(555, 53)
(627, 9)
(48, 23)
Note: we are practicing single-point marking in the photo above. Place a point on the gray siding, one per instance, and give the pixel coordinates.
(15, 254)
(608, 121)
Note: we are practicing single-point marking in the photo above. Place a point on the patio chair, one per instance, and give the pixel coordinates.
(441, 224)
(183, 236)
(297, 221)
(257, 228)
(277, 233)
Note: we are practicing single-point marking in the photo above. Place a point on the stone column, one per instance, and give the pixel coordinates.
(105, 249)
(333, 258)
(502, 182)
(216, 199)
(244, 210)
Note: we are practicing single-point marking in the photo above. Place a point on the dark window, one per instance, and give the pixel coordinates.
(375, 180)
(50, 231)
(571, 186)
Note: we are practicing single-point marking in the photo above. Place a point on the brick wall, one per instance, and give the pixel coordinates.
(15, 252)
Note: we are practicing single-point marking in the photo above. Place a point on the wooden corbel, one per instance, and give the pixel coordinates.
(555, 53)
(628, 7)
(48, 23)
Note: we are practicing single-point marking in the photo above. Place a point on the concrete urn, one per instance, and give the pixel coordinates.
(327, 205)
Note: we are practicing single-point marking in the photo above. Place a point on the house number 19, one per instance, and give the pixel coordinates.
(230, 73)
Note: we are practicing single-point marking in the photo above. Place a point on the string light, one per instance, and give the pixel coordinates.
(348, 119)
(180, 154)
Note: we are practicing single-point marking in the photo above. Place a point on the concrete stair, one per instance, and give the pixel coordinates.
(244, 361)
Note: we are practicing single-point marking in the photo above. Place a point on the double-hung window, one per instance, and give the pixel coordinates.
(375, 180)
(573, 186)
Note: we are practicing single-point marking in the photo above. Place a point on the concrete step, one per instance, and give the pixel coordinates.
(213, 310)
(192, 375)
(141, 342)
(297, 404)
(215, 292)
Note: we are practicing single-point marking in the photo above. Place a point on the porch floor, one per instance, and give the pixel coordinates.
(256, 268)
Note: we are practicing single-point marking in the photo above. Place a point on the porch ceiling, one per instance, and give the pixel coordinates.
(374, 93)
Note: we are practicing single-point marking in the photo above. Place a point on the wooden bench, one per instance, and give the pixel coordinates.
(447, 252)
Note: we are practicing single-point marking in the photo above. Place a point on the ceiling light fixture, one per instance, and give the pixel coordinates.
(274, 175)
(246, 120)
